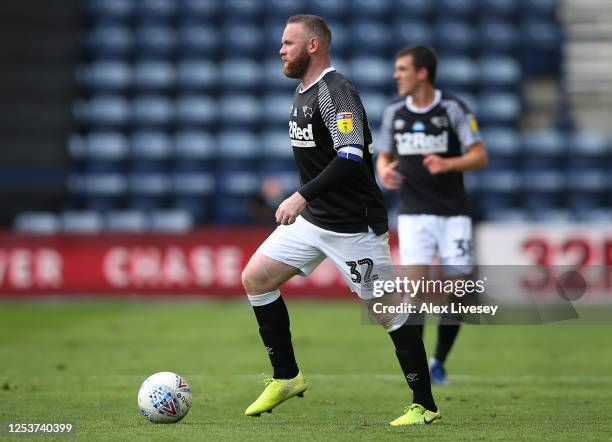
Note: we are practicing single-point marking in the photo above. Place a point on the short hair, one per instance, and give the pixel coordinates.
(315, 25)
(423, 56)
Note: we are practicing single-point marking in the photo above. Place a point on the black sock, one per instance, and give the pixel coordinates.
(418, 320)
(411, 355)
(447, 333)
(273, 320)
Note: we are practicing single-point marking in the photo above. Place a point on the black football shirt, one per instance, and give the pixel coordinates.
(328, 120)
(446, 128)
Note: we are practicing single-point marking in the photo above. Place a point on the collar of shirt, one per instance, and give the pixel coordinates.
(423, 110)
(329, 69)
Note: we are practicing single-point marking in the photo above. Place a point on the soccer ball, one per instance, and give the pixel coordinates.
(164, 398)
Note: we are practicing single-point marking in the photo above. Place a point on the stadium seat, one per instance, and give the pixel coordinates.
(276, 145)
(418, 10)
(371, 72)
(587, 188)
(160, 10)
(277, 109)
(342, 40)
(84, 221)
(242, 39)
(103, 110)
(498, 37)
(544, 189)
(371, 9)
(110, 10)
(146, 203)
(171, 221)
(110, 184)
(459, 72)
(237, 181)
(152, 110)
(332, 10)
(455, 38)
(238, 144)
(506, 215)
(198, 183)
(200, 10)
(370, 36)
(541, 44)
(240, 111)
(248, 10)
(544, 9)
(240, 74)
(40, 223)
(100, 146)
(496, 107)
(280, 10)
(408, 33)
(552, 215)
(199, 40)
(152, 39)
(503, 145)
(594, 215)
(132, 221)
(154, 75)
(499, 72)
(501, 9)
(456, 8)
(198, 74)
(544, 149)
(149, 183)
(275, 81)
(194, 145)
(105, 76)
(151, 145)
(110, 40)
(374, 104)
(196, 110)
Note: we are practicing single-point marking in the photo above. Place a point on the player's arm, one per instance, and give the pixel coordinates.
(475, 158)
(386, 168)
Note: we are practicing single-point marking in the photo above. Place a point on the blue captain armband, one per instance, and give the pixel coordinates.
(352, 152)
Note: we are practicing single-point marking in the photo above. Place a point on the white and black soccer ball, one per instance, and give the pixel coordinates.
(164, 398)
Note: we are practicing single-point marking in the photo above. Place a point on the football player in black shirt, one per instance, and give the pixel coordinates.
(428, 139)
(337, 213)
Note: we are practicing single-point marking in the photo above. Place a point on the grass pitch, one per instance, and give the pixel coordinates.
(84, 362)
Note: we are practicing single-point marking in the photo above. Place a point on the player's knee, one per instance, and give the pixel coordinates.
(254, 281)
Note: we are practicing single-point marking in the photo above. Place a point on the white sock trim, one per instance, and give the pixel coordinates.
(264, 298)
(396, 322)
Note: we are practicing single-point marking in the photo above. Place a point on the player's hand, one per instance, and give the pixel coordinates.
(435, 164)
(289, 209)
(389, 177)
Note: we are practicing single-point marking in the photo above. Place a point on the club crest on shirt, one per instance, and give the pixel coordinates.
(307, 111)
(439, 122)
(344, 121)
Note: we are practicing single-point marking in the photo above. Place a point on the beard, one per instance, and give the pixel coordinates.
(298, 67)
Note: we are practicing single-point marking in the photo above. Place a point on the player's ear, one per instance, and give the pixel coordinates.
(313, 45)
(423, 74)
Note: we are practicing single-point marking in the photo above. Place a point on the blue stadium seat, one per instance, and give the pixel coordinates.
(275, 81)
(198, 208)
(456, 38)
(146, 203)
(272, 36)
(504, 9)
(171, 221)
(277, 109)
(342, 40)
(280, 10)
(196, 110)
(589, 149)
(503, 145)
(194, 145)
(240, 73)
(498, 37)
(103, 110)
(153, 39)
(162, 10)
(100, 146)
(276, 145)
(418, 10)
(242, 9)
(150, 145)
(243, 39)
(371, 72)
(456, 8)
(332, 10)
(369, 36)
(544, 9)
(198, 74)
(197, 39)
(154, 75)
(152, 110)
(544, 149)
(200, 10)
(132, 221)
(149, 183)
(237, 181)
(370, 9)
(499, 72)
(198, 183)
(459, 72)
(110, 10)
(110, 40)
(544, 188)
(468, 99)
(500, 108)
(83, 221)
(238, 144)
(374, 104)
(240, 110)
(40, 223)
(552, 215)
(408, 33)
(506, 215)
(601, 215)
(541, 47)
(105, 76)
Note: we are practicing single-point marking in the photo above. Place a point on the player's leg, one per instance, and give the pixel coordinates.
(369, 252)
(456, 258)
(285, 253)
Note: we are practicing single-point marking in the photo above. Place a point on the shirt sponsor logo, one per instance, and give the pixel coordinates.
(301, 136)
(344, 122)
(418, 126)
(420, 143)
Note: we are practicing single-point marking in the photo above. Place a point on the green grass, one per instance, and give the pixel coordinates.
(84, 362)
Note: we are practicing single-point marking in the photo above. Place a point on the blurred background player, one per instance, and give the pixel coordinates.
(338, 213)
(428, 139)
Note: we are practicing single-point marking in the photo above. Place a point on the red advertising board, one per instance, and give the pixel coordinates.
(207, 262)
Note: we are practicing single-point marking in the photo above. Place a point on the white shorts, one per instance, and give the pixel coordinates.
(304, 246)
(423, 237)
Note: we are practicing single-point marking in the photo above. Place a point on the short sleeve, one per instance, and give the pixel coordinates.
(464, 123)
(385, 136)
(343, 115)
